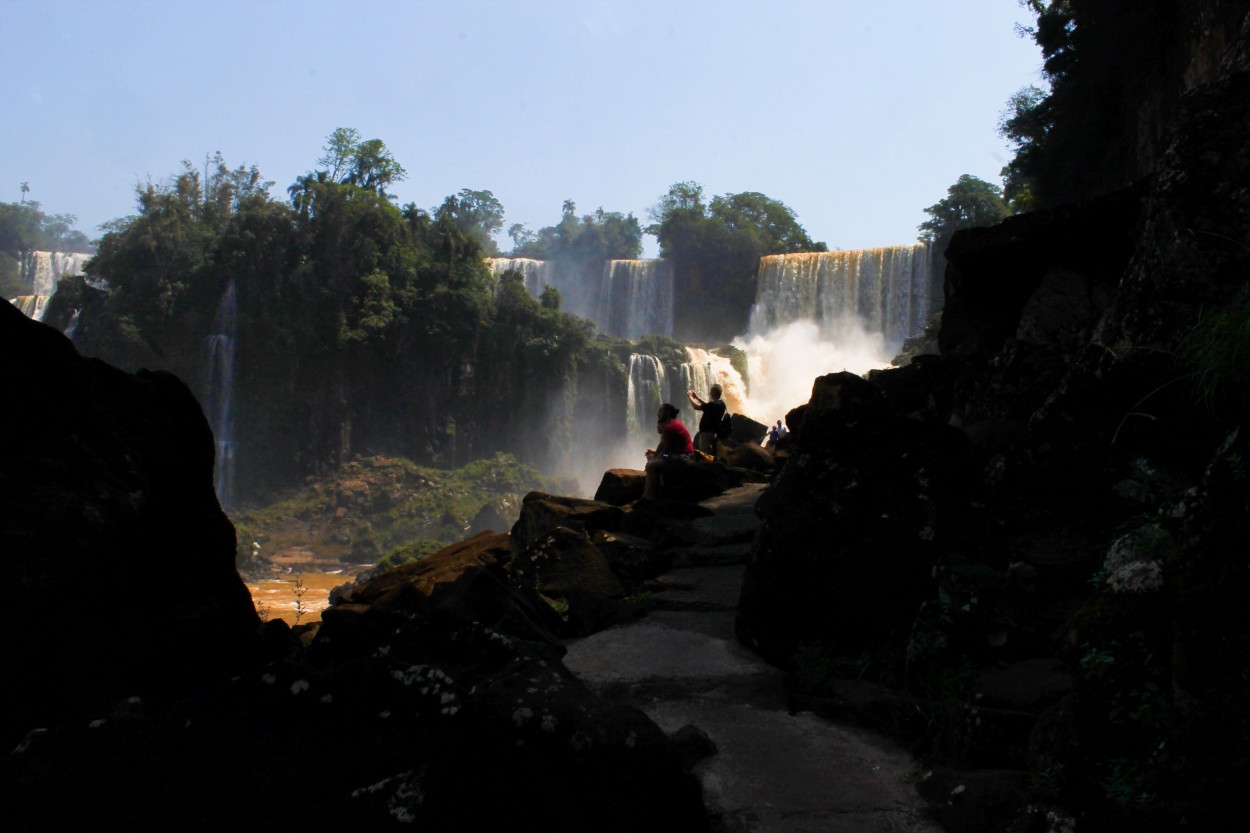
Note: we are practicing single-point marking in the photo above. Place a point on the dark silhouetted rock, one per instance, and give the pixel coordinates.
(852, 525)
(541, 513)
(471, 579)
(749, 455)
(746, 430)
(117, 560)
(620, 486)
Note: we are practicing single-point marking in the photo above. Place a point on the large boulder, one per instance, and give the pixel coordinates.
(620, 486)
(116, 557)
(471, 579)
(852, 526)
(541, 513)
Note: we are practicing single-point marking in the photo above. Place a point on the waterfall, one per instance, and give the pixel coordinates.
(72, 327)
(32, 306)
(43, 271)
(882, 291)
(219, 392)
(824, 312)
(626, 298)
(705, 369)
(537, 273)
(636, 298)
(645, 391)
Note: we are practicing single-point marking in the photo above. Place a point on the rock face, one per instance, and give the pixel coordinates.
(109, 511)
(1025, 554)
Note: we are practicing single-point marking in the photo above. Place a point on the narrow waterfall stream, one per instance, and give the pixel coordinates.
(219, 392)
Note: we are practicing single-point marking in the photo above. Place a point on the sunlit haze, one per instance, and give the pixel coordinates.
(857, 115)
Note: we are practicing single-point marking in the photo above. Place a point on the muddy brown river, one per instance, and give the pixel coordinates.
(283, 598)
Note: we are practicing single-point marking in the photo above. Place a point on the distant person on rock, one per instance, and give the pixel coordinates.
(713, 411)
(674, 449)
(776, 433)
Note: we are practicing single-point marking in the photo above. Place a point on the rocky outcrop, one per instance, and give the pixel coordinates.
(117, 560)
(1076, 253)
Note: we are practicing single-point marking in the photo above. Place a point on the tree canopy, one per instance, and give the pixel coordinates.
(603, 235)
(716, 246)
(969, 203)
(477, 214)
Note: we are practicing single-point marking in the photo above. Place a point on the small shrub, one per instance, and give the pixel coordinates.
(1218, 350)
(299, 589)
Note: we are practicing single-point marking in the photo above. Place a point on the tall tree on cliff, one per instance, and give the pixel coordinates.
(591, 238)
(477, 213)
(969, 203)
(716, 249)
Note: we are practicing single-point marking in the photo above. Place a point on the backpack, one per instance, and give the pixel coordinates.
(726, 428)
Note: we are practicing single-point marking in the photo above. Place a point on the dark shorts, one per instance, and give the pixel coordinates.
(664, 461)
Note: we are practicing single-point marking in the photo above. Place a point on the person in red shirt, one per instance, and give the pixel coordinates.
(674, 448)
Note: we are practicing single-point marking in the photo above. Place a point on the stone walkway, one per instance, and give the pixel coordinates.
(773, 772)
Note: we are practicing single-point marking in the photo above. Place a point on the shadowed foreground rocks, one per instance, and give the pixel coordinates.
(398, 710)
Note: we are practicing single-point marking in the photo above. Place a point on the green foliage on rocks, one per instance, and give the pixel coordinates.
(1218, 350)
(384, 509)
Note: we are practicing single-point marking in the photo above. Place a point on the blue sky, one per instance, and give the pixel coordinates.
(855, 113)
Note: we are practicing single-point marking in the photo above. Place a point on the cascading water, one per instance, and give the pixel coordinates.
(882, 291)
(627, 298)
(32, 306)
(219, 392)
(814, 314)
(706, 369)
(646, 390)
(537, 273)
(43, 271)
(824, 312)
(636, 298)
(72, 327)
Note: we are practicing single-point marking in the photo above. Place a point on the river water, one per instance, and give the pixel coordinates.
(282, 598)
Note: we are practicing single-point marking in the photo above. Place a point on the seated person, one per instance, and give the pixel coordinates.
(674, 448)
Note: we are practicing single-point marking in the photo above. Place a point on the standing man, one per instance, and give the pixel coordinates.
(709, 423)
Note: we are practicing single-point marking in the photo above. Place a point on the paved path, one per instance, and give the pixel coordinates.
(773, 772)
